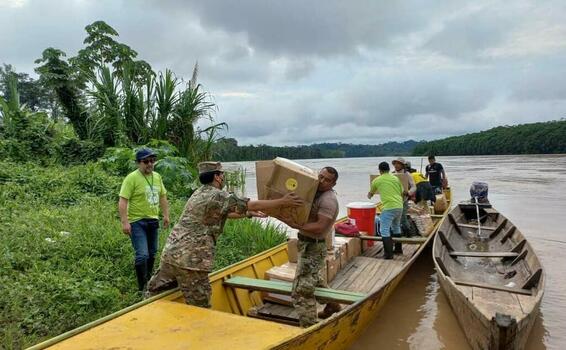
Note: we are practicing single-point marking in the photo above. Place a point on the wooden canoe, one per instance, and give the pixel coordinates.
(493, 280)
(166, 322)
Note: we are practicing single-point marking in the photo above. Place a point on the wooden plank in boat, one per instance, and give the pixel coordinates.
(392, 267)
(491, 301)
(484, 254)
(405, 240)
(276, 313)
(359, 269)
(476, 226)
(326, 294)
(493, 287)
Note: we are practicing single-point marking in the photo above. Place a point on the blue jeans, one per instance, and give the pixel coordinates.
(391, 222)
(144, 239)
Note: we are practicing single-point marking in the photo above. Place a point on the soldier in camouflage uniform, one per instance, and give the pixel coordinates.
(188, 255)
(312, 250)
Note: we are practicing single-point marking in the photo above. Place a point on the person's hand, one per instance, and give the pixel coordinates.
(370, 195)
(291, 200)
(166, 221)
(256, 214)
(126, 228)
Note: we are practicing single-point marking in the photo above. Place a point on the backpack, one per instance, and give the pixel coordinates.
(346, 228)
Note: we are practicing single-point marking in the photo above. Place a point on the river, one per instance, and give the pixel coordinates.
(529, 190)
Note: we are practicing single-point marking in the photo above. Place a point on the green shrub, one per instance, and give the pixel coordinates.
(75, 151)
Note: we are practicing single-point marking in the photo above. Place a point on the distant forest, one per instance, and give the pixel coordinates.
(535, 138)
(229, 150)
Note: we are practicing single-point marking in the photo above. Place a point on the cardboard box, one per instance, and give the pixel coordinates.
(292, 250)
(329, 239)
(341, 252)
(332, 266)
(372, 177)
(286, 273)
(277, 177)
(353, 246)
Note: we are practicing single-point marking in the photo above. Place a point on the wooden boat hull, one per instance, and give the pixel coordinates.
(490, 318)
(177, 325)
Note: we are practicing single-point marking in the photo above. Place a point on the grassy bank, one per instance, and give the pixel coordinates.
(63, 259)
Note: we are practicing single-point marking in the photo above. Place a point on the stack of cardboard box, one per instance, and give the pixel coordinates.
(344, 250)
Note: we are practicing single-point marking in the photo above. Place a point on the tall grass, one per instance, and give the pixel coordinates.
(63, 259)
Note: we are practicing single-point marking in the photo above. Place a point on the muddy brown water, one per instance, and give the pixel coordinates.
(529, 190)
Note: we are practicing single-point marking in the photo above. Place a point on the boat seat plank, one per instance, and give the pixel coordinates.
(494, 287)
(404, 240)
(476, 226)
(484, 254)
(326, 294)
(488, 210)
(275, 312)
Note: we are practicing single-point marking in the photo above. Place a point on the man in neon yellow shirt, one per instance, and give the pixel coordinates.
(391, 194)
(141, 196)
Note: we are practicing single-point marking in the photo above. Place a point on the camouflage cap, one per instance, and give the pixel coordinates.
(207, 167)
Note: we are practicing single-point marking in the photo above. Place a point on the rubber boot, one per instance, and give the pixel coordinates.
(150, 262)
(141, 275)
(398, 246)
(329, 310)
(387, 248)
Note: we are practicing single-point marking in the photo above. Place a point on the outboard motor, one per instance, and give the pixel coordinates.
(478, 191)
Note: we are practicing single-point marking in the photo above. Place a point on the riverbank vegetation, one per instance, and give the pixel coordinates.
(67, 140)
(229, 150)
(535, 138)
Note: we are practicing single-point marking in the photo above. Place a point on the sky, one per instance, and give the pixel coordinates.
(301, 72)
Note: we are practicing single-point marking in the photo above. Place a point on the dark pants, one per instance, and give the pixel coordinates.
(144, 239)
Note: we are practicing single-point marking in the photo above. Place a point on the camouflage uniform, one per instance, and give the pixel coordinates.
(188, 255)
(307, 278)
(311, 264)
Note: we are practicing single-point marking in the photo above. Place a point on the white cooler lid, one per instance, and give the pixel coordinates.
(360, 205)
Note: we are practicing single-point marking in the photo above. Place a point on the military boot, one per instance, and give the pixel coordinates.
(387, 248)
(329, 310)
(398, 246)
(141, 275)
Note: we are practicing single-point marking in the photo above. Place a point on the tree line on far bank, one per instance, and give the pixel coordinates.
(229, 150)
(534, 138)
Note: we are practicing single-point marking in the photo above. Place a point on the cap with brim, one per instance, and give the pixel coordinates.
(144, 153)
(398, 160)
(207, 167)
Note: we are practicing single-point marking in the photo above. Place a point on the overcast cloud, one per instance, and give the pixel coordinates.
(296, 72)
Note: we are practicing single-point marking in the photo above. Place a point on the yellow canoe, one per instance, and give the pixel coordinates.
(166, 322)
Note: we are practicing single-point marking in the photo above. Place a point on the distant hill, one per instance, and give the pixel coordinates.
(229, 150)
(534, 138)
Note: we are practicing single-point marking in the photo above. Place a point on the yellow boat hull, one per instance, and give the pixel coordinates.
(166, 322)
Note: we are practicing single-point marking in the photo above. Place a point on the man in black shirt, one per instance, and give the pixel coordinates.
(436, 175)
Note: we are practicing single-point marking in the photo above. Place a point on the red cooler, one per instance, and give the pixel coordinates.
(362, 214)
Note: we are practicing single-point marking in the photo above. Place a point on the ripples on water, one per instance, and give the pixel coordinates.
(529, 190)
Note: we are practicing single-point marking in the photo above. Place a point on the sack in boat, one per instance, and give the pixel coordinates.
(347, 228)
(422, 219)
(441, 204)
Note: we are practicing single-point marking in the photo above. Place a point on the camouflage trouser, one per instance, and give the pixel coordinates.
(194, 284)
(307, 278)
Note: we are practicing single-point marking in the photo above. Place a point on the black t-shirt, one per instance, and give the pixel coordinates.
(434, 171)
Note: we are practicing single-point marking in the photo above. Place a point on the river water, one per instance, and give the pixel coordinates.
(529, 190)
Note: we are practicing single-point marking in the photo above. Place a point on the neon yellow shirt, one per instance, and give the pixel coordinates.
(418, 177)
(390, 190)
(142, 193)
